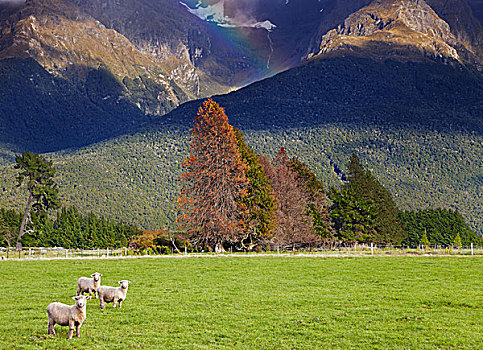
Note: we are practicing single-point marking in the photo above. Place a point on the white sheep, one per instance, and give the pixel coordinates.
(89, 285)
(68, 315)
(113, 294)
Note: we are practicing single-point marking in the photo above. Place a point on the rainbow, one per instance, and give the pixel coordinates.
(251, 39)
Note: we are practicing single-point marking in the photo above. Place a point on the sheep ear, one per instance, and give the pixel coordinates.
(128, 282)
(75, 298)
(119, 282)
(100, 274)
(93, 275)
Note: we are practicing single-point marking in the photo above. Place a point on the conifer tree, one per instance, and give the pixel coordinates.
(259, 200)
(38, 174)
(440, 225)
(364, 185)
(354, 217)
(214, 183)
(457, 241)
(425, 241)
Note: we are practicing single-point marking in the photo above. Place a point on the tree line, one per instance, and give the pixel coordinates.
(232, 197)
(68, 228)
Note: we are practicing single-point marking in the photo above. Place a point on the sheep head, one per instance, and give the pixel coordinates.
(124, 284)
(81, 300)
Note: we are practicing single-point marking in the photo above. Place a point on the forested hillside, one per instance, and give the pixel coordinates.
(417, 126)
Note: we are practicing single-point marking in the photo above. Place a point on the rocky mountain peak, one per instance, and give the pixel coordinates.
(404, 29)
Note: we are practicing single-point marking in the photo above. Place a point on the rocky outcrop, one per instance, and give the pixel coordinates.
(406, 29)
(69, 43)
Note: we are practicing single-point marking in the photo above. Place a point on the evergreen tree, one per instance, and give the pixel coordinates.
(364, 186)
(214, 184)
(259, 200)
(457, 241)
(38, 174)
(442, 226)
(354, 217)
(425, 241)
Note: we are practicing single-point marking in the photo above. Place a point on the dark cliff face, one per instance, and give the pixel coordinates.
(477, 9)
(466, 28)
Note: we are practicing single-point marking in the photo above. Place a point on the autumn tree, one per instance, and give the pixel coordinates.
(214, 183)
(259, 200)
(317, 204)
(293, 225)
(38, 174)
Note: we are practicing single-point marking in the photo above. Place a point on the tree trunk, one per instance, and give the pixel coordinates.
(24, 221)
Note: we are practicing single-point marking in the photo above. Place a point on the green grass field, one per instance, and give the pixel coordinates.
(253, 303)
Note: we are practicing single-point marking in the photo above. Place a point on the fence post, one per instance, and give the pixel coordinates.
(107, 252)
(471, 248)
(372, 248)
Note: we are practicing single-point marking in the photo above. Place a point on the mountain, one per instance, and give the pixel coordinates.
(396, 83)
(109, 66)
(408, 30)
(417, 125)
(69, 43)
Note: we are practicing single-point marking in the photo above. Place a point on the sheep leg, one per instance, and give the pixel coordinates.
(71, 330)
(120, 302)
(51, 329)
(78, 291)
(114, 302)
(77, 330)
(101, 303)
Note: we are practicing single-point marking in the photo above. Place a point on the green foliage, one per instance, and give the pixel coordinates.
(442, 227)
(38, 174)
(354, 217)
(364, 186)
(416, 126)
(70, 229)
(424, 240)
(259, 200)
(363, 210)
(457, 241)
(10, 222)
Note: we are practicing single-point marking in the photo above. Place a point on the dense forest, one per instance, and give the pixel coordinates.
(416, 126)
(68, 229)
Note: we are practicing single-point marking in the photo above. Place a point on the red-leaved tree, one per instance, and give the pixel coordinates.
(293, 225)
(214, 181)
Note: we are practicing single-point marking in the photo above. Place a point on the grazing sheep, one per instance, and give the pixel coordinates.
(65, 315)
(113, 294)
(89, 285)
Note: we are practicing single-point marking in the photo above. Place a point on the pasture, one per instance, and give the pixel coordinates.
(384, 302)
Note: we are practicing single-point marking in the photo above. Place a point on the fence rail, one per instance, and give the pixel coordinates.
(357, 249)
(58, 252)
